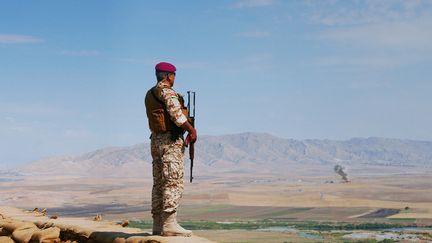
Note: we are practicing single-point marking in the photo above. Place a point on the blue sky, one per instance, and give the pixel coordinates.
(73, 74)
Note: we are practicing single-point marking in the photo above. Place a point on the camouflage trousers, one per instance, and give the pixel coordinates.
(168, 172)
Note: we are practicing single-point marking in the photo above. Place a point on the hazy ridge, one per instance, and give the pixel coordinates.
(249, 152)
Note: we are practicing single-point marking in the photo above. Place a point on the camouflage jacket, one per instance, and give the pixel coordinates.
(172, 103)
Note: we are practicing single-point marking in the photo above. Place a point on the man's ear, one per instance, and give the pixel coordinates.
(170, 76)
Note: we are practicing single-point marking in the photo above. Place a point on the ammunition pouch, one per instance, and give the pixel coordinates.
(158, 117)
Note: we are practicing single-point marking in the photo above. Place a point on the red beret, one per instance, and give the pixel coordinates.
(165, 67)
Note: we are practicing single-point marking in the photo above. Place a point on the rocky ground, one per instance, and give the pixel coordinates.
(22, 226)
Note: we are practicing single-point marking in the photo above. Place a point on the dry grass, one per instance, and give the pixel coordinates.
(133, 194)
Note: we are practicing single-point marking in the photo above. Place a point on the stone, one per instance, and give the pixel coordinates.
(98, 217)
(125, 223)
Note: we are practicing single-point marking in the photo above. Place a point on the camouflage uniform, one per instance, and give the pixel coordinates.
(168, 158)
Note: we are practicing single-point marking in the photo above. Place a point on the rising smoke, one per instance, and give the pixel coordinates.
(340, 170)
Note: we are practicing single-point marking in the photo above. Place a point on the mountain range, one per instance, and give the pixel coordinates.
(248, 153)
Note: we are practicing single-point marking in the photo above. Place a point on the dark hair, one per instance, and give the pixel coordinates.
(160, 75)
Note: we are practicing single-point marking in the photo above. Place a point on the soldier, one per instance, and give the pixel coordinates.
(168, 121)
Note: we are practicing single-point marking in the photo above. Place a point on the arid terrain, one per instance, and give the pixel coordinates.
(298, 192)
(265, 197)
(231, 199)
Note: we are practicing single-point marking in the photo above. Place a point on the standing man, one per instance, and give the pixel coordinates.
(168, 121)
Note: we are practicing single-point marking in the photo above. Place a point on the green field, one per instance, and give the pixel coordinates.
(263, 224)
(292, 231)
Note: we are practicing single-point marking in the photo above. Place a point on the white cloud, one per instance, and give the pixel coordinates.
(77, 133)
(192, 65)
(29, 109)
(12, 125)
(20, 129)
(253, 63)
(259, 58)
(252, 3)
(131, 60)
(345, 13)
(362, 61)
(80, 53)
(254, 34)
(402, 35)
(10, 119)
(19, 39)
(376, 34)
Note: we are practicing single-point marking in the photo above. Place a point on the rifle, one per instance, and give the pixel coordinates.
(191, 111)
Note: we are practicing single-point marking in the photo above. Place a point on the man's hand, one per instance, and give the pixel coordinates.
(192, 133)
(191, 138)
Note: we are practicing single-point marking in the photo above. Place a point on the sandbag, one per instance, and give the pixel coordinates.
(24, 235)
(141, 239)
(5, 239)
(107, 237)
(46, 235)
(44, 225)
(119, 240)
(77, 230)
(11, 226)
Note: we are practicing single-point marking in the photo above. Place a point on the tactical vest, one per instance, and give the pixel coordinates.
(157, 114)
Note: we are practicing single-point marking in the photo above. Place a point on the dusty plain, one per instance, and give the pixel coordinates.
(236, 197)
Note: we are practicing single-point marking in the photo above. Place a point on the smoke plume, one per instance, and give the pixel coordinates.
(340, 171)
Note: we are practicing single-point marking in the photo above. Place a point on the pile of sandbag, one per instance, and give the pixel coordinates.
(38, 229)
(24, 232)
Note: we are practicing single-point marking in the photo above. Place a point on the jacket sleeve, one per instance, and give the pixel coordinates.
(173, 106)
